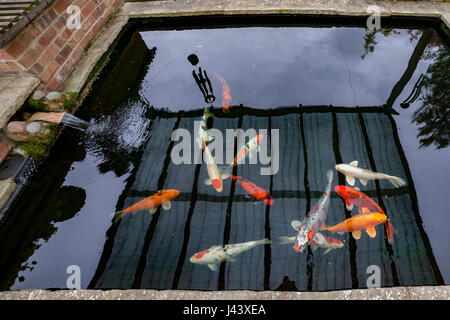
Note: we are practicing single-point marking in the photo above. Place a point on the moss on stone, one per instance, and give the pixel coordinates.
(39, 147)
(38, 105)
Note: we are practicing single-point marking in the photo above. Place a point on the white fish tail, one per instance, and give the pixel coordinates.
(396, 181)
(286, 240)
(263, 241)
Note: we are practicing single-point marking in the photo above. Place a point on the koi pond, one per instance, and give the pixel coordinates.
(325, 163)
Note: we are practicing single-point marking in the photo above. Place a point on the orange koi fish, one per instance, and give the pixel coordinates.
(226, 95)
(366, 220)
(248, 150)
(151, 203)
(355, 197)
(257, 192)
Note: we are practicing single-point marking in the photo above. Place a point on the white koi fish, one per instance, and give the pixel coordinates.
(203, 135)
(351, 171)
(213, 256)
(318, 241)
(248, 150)
(307, 228)
(216, 176)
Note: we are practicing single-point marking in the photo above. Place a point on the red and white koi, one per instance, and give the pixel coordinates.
(248, 150)
(255, 191)
(215, 255)
(318, 241)
(310, 224)
(216, 176)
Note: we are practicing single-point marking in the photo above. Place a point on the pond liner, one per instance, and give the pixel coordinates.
(21, 178)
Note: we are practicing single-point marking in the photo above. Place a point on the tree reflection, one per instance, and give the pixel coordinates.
(433, 117)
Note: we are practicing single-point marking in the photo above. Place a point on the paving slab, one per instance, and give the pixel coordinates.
(7, 187)
(397, 293)
(14, 90)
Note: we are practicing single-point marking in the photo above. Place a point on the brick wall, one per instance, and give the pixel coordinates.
(48, 48)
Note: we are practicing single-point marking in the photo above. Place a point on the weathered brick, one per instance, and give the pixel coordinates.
(27, 36)
(47, 37)
(77, 53)
(62, 5)
(4, 55)
(60, 42)
(54, 84)
(117, 4)
(78, 36)
(36, 68)
(59, 59)
(15, 50)
(30, 56)
(88, 9)
(65, 52)
(9, 66)
(48, 55)
(51, 14)
(49, 71)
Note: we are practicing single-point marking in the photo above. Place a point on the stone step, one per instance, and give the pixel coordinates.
(6, 2)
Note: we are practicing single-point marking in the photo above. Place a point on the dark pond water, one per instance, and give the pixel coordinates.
(334, 96)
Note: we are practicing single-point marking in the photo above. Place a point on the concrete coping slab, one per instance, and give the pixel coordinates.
(397, 293)
(100, 46)
(329, 7)
(14, 90)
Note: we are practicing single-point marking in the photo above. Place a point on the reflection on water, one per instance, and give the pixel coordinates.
(331, 108)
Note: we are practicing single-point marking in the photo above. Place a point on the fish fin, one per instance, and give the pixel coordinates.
(212, 266)
(354, 163)
(231, 259)
(371, 232)
(329, 175)
(350, 180)
(365, 210)
(341, 233)
(208, 182)
(356, 234)
(117, 216)
(322, 226)
(314, 247)
(356, 188)
(396, 181)
(166, 205)
(152, 210)
(296, 224)
(390, 231)
(349, 207)
(363, 182)
(326, 251)
(224, 176)
(286, 240)
(264, 241)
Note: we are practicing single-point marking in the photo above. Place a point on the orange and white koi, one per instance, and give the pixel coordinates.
(216, 176)
(363, 221)
(310, 224)
(255, 191)
(351, 171)
(161, 198)
(213, 256)
(356, 197)
(248, 150)
(318, 241)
